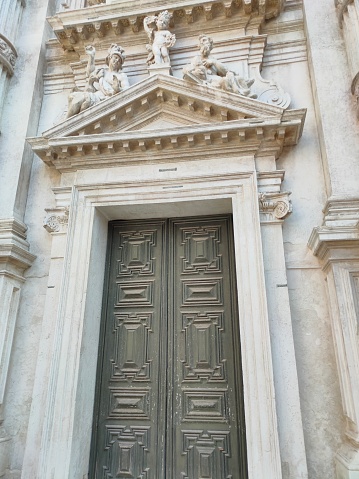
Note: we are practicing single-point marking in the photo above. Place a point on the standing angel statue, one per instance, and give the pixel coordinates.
(161, 39)
(102, 82)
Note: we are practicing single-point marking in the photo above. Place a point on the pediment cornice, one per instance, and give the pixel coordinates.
(204, 104)
(124, 17)
(217, 123)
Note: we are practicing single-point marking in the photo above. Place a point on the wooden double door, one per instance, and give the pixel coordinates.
(169, 390)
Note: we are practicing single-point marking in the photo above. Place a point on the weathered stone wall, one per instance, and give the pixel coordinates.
(307, 57)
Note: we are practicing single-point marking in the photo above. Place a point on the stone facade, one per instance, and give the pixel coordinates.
(265, 128)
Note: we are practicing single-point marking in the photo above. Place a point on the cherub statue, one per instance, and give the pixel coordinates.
(207, 70)
(161, 39)
(101, 82)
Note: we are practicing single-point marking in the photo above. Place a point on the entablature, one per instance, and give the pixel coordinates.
(116, 19)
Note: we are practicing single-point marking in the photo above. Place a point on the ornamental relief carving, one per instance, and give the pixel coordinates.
(274, 206)
(56, 220)
(7, 54)
(205, 69)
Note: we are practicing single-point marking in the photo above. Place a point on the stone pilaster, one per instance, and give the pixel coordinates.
(274, 207)
(336, 243)
(15, 258)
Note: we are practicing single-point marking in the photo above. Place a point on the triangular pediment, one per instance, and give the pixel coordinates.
(160, 102)
(162, 115)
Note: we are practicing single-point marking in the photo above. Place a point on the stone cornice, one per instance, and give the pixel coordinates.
(8, 54)
(117, 18)
(243, 137)
(210, 122)
(339, 232)
(14, 249)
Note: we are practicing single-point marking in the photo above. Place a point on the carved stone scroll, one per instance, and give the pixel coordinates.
(274, 206)
(56, 219)
(8, 54)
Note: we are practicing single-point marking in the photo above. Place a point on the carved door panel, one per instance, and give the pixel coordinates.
(169, 385)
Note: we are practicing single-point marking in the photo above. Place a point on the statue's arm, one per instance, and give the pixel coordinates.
(148, 29)
(221, 70)
(90, 51)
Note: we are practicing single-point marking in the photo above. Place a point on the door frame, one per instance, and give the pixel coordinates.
(68, 405)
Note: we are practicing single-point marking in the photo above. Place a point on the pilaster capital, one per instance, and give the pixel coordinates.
(56, 219)
(273, 206)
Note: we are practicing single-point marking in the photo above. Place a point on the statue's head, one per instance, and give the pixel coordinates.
(115, 52)
(205, 44)
(163, 20)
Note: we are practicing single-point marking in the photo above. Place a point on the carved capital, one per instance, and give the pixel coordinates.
(8, 54)
(56, 219)
(274, 206)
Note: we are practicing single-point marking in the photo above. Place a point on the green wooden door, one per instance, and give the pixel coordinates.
(169, 389)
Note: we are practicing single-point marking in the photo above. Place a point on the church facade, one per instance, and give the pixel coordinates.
(179, 239)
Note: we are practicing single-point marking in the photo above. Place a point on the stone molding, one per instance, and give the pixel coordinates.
(274, 206)
(336, 243)
(85, 258)
(72, 27)
(340, 229)
(57, 219)
(14, 249)
(8, 54)
(208, 120)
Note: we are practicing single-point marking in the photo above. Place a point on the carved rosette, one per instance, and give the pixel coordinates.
(274, 206)
(8, 54)
(56, 220)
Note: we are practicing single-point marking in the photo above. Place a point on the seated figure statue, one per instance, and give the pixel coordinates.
(207, 70)
(101, 82)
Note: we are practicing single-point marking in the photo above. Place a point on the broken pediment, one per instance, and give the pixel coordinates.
(163, 113)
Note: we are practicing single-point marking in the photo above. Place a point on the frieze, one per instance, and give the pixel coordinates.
(274, 206)
(56, 219)
(8, 54)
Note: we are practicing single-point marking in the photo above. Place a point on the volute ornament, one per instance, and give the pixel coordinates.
(160, 38)
(275, 206)
(56, 219)
(7, 55)
(102, 82)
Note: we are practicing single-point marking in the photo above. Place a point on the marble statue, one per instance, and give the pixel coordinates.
(161, 39)
(207, 70)
(102, 82)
